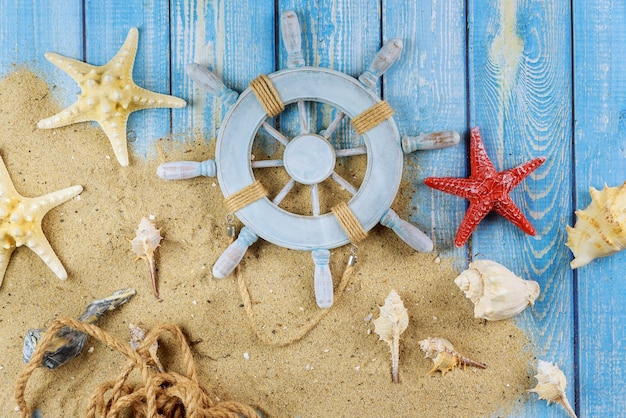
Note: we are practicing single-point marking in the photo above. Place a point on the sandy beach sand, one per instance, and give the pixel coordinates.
(340, 369)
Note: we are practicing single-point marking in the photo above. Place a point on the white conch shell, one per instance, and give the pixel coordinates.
(551, 384)
(444, 356)
(392, 322)
(147, 239)
(600, 228)
(497, 293)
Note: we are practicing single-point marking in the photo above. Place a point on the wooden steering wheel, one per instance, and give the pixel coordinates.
(308, 158)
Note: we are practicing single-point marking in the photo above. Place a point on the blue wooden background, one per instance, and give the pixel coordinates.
(540, 77)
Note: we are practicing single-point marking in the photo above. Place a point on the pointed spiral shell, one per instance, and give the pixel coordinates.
(600, 228)
(147, 239)
(551, 384)
(445, 358)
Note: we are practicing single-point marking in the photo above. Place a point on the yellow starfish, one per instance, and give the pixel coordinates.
(20, 222)
(108, 95)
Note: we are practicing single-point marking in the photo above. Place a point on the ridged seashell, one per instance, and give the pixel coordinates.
(600, 228)
(444, 356)
(497, 293)
(147, 239)
(551, 384)
(392, 322)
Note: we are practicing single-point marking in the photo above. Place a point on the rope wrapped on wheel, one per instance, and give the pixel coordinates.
(372, 117)
(267, 95)
(245, 196)
(349, 222)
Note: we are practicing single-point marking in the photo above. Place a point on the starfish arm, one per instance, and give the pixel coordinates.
(519, 173)
(40, 246)
(74, 68)
(5, 256)
(43, 204)
(115, 130)
(456, 186)
(7, 189)
(73, 114)
(146, 99)
(510, 211)
(475, 213)
(125, 57)
(481, 165)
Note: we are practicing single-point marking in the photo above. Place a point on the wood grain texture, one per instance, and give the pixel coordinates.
(218, 35)
(106, 26)
(59, 29)
(427, 90)
(512, 78)
(521, 98)
(342, 35)
(600, 150)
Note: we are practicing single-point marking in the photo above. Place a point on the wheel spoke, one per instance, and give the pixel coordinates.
(267, 163)
(275, 133)
(349, 152)
(281, 195)
(333, 125)
(343, 183)
(304, 118)
(315, 200)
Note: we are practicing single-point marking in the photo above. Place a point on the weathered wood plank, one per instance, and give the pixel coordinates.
(519, 93)
(520, 97)
(344, 36)
(218, 35)
(30, 29)
(107, 24)
(341, 35)
(427, 90)
(600, 143)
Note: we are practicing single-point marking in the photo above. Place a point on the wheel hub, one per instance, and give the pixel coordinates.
(309, 159)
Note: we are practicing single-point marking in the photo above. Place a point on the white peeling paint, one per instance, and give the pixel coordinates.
(219, 54)
(202, 57)
(504, 60)
(433, 16)
(507, 47)
(422, 59)
(422, 81)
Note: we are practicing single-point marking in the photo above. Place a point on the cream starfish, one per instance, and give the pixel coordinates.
(20, 222)
(108, 95)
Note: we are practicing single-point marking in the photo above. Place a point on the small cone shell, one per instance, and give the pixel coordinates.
(551, 384)
(497, 293)
(600, 228)
(445, 358)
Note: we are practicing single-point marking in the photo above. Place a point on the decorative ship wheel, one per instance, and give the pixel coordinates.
(309, 158)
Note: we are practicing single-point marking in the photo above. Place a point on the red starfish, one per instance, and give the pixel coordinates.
(486, 189)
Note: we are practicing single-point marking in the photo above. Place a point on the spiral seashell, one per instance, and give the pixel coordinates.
(444, 356)
(391, 323)
(146, 241)
(497, 293)
(600, 228)
(551, 384)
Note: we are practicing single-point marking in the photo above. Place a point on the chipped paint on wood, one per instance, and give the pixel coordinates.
(505, 54)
